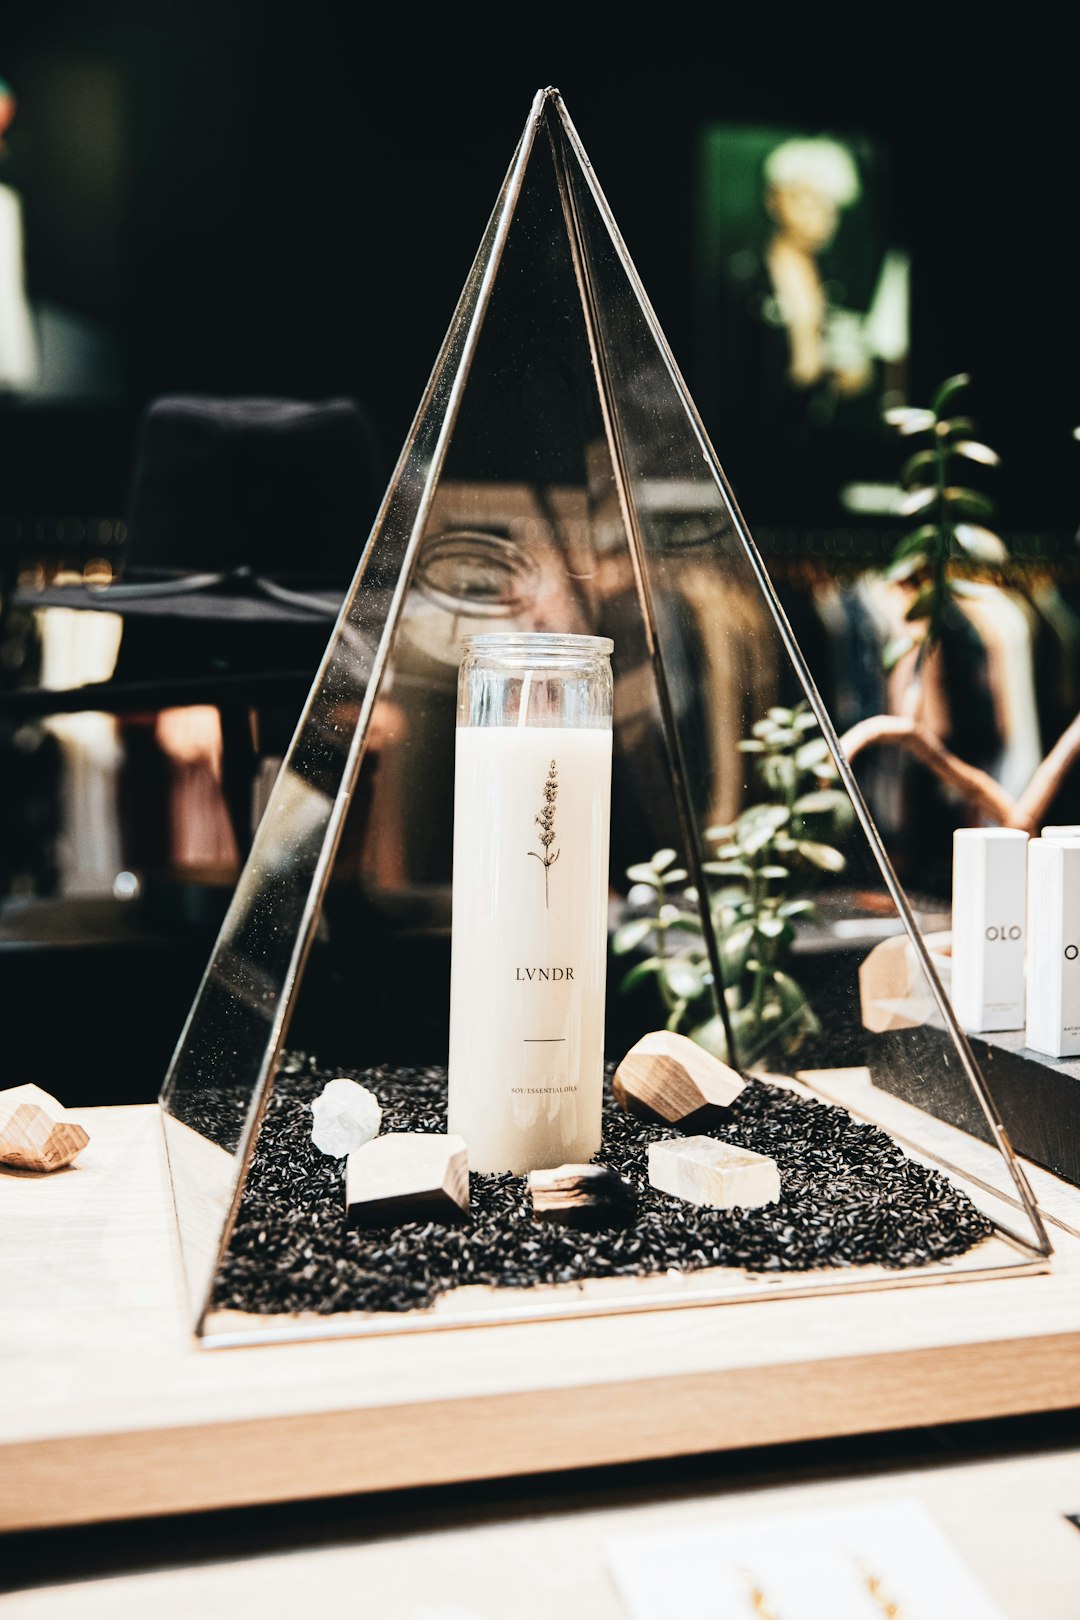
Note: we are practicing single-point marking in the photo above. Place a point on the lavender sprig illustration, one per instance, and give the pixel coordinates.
(546, 822)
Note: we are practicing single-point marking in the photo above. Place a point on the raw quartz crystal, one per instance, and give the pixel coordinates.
(345, 1115)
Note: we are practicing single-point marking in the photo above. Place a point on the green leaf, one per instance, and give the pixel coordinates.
(789, 993)
(904, 567)
(737, 934)
(812, 753)
(685, 923)
(949, 390)
(731, 898)
(768, 816)
(750, 745)
(923, 605)
(822, 855)
(806, 721)
(675, 1017)
(955, 427)
(981, 544)
(778, 773)
(713, 833)
(919, 539)
(896, 649)
(642, 874)
(783, 717)
(629, 934)
(825, 802)
(734, 947)
(916, 500)
(712, 1037)
(798, 908)
(662, 859)
(755, 840)
(968, 502)
(683, 978)
(726, 868)
(974, 451)
(909, 419)
(762, 728)
(677, 875)
(639, 972)
(772, 927)
(774, 874)
(922, 461)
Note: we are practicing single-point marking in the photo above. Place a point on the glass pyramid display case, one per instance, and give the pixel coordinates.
(557, 478)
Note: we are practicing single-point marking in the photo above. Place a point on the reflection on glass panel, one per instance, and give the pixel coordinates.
(799, 884)
(556, 480)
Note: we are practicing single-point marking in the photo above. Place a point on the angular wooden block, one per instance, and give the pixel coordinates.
(34, 1132)
(407, 1176)
(587, 1196)
(718, 1174)
(668, 1079)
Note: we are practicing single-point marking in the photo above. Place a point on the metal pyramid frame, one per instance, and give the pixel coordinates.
(556, 409)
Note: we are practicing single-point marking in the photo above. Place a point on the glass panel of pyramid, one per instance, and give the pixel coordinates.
(557, 477)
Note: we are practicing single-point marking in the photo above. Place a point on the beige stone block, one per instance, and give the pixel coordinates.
(719, 1175)
(407, 1176)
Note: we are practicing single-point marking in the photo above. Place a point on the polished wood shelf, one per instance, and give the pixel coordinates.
(110, 1409)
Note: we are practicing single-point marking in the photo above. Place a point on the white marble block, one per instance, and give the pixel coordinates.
(717, 1174)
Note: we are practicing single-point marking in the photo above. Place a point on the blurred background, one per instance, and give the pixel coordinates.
(232, 202)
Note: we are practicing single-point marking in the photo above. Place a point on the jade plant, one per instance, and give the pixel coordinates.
(768, 865)
(951, 542)
(951, 553)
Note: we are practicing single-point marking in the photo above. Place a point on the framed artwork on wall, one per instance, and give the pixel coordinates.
(804, 313)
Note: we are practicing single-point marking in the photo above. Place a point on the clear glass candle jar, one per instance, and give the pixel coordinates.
(532, 812)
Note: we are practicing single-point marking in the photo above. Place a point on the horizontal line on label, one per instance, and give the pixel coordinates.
(543, 1040)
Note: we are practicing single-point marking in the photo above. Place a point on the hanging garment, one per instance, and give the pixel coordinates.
(739, 679)
(77, 648)
(1006, 626)
(200, 832)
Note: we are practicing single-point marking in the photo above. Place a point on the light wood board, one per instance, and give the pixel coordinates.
(108, 1408)
(1004, 1519)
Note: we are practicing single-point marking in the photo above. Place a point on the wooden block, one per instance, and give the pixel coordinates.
(407, 1176)
(721, 1175)
(34, 1132)
(588, 1196)
(668, 1079)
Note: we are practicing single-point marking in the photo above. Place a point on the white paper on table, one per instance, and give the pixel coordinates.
(806, 1566)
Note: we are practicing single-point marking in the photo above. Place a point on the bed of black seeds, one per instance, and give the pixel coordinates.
(849, 1197)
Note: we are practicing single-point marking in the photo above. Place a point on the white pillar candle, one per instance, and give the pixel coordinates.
(529, 959)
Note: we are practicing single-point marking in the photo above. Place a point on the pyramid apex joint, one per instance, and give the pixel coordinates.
(549, 93)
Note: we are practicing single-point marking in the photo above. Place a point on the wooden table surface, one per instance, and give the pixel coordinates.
(108, 1409)
(542, 1548)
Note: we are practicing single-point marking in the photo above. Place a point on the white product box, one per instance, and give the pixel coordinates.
(989, 913)
(1060, 832)
(1053, 990)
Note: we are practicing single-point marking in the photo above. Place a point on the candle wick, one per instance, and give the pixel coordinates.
(523, 701)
